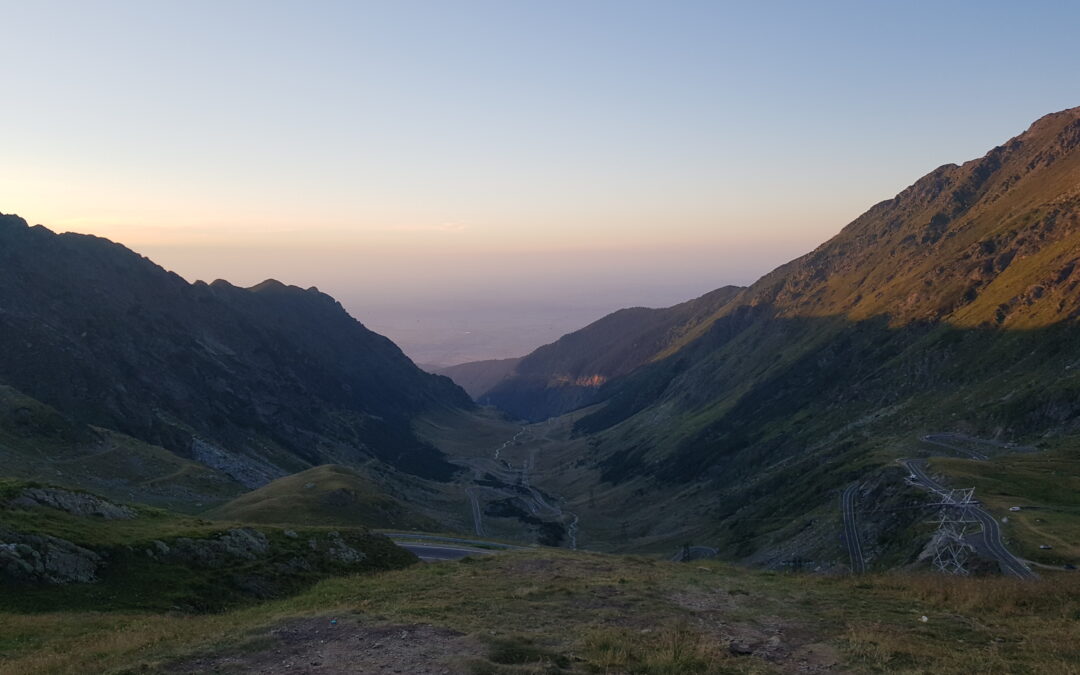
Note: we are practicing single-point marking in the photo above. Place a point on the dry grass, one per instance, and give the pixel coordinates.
(1050, 598)
(678, 648)
(83, 643)
(609, 614)
(980, 625)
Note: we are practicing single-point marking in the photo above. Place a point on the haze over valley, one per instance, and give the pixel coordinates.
(445, 306)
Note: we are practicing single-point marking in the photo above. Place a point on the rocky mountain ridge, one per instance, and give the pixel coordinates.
(256, 383)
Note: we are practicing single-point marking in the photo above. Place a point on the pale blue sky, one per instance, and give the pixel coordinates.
(416, 152)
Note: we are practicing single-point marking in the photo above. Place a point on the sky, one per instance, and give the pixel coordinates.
(474, 178)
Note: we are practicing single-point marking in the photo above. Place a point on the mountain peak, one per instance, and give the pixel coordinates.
(234, 371)
(1054, 120)
(271, 285)
(11, 220)
(959, 244)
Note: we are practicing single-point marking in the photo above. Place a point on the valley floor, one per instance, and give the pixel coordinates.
(539, 483)
(547, 611)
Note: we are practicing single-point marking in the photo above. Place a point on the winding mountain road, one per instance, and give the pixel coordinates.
(478, 520)
(484, 543)
(495, 475)
(942, 441)
(991, 530)
(851, 532)
(965, 444)
(433, 548)
(438, 552)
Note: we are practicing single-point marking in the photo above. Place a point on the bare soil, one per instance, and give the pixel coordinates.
(790, 646)
(317, 645)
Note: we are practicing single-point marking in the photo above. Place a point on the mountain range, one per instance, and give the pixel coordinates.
(734, 418)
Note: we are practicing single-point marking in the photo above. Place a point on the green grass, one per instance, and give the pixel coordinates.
(39, 443)
(135, 576)
(324, 495)
(150, 523)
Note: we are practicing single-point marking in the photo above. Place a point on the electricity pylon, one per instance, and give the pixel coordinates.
(953, 520)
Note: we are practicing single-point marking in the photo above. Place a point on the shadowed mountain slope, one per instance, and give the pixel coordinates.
(255, 382)
(478, 377)
(569, 373)
(39, 443)
(983, 251)
(952, 306)
(992, 244)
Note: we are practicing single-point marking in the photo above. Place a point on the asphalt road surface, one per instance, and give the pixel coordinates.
(434, 548)
(478, 520)
(991, 530)
(851, 533)
(399, 537)
(438, 552)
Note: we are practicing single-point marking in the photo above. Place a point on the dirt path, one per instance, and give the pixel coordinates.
(319, 646)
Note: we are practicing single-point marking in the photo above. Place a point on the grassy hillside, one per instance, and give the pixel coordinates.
(331, 496)
(554, 612)
(39, 443)
(68, 550)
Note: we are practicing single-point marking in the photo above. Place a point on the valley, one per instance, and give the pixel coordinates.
(731, 422)
(725, 485)
(940, 322)
(540, 338)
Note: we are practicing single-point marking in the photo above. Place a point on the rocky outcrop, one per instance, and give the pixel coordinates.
(219, 551)
(43, 559)
(337, 548)
(246, 544)
(76, 503)
(260, 563)
(248, 471)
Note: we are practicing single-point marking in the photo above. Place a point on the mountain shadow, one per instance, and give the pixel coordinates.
(256, 382)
